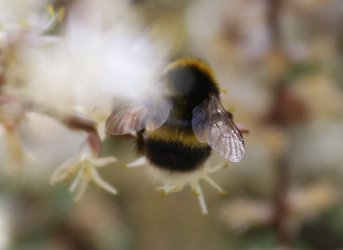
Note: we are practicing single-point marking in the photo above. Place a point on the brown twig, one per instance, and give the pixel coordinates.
(87, 125)
(282, 171)
(72, 121)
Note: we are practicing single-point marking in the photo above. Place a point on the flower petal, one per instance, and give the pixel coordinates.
(76, 181)
(65, 169)
(81, 189)
(101, 162)
(101, 183)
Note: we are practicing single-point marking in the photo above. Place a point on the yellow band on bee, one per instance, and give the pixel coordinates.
(167, 135)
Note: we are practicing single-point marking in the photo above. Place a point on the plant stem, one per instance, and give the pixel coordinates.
(281, 211)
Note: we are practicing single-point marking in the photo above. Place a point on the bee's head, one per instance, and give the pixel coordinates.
(191, 79)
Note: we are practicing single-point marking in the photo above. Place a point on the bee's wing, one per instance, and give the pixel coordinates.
(212, 124)
(131, 118)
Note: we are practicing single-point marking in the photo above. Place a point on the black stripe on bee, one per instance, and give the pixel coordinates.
(175, 156)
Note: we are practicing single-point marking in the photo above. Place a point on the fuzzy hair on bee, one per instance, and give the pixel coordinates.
(177, 131)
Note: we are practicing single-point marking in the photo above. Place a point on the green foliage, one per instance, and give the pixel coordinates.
(301, 69)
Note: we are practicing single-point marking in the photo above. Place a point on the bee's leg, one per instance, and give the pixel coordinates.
(137, 163)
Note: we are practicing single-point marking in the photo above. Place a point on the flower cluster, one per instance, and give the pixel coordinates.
(71, 65)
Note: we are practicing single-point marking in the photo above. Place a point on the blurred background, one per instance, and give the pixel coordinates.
(281, 64)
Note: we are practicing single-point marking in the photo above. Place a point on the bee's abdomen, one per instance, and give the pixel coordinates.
(175, 156)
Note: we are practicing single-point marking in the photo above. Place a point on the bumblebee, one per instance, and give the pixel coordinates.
(178, 130)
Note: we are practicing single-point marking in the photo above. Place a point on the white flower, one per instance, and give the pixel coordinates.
(241, 214)
(11, 113)
(83, 165)
(19, 32)
(97, 60)
(12, 153)
(29, 18)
